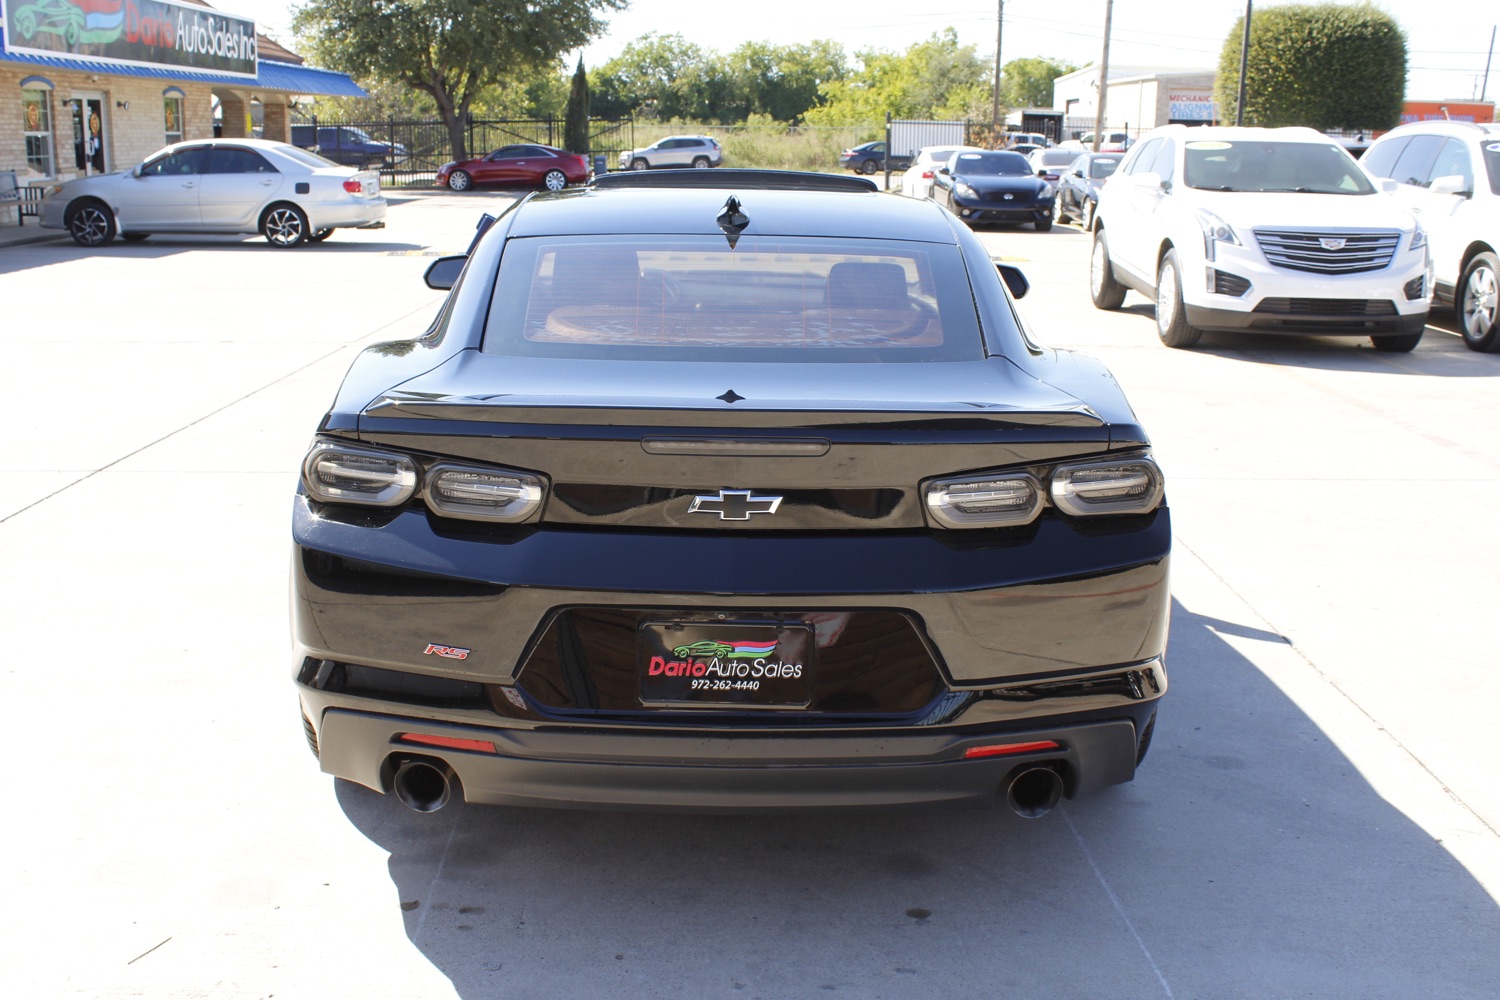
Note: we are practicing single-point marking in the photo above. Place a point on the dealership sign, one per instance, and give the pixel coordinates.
(139, 32)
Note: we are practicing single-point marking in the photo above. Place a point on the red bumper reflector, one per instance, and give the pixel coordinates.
(1001, 749)
(448, 742)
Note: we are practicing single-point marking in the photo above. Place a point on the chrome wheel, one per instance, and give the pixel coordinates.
(1086, 215)
(285, 226)
(90, 225)
(459, 180)
(555, 180)
(1166, 299)
(1478, 310)
(638, 164)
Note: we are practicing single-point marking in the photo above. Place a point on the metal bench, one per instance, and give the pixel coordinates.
(25, 198)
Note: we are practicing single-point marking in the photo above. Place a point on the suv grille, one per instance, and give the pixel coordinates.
(1327, 307)
(1328, 252)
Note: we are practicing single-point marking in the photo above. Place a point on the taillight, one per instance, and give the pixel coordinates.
(339, 473)
(983, 503)
(483, 494)
(927, 175)
(1129, 485)
(353, 185)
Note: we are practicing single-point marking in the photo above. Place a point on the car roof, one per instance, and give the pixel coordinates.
(1440, 126)
(686, 202)
(1240, 133)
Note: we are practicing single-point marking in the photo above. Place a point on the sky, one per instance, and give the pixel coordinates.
(1447, 40)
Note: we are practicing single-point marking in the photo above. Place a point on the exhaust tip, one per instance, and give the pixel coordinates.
(1034, 791)
(424, 786)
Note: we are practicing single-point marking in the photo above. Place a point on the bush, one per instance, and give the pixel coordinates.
(770, 145)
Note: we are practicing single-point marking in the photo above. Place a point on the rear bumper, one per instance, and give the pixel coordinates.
(742, 772)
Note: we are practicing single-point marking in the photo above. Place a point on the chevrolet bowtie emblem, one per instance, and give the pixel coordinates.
(734, 505)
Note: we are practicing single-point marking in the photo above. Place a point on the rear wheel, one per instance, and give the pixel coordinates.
(1106, 292)
(639, 164)
(285, 226)
(1397, 342)
(91, 223)
(868, 167)
(460, 180)
(700, 163)
(555, 180)
(1477, 306)
(1171, 318)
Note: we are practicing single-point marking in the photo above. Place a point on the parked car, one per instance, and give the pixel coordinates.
(622, 532)
(287, 194)
(1109, 142)
(1258, 229)
(675, 151)
(1025, 149)
(1448, 173)
(994, 186)
(870, 158)
(350, 146)
(1049, 164)
(917, 181)
(1077, 191)
(1034, 139)
(521, 165)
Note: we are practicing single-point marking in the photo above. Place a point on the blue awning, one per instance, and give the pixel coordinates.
(287, 77)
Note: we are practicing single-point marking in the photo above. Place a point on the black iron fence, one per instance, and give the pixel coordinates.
(427, 145)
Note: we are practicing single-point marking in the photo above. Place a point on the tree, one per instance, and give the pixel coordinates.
(933, 78)
(654, 75)
(576, 121)
(449, 49)
(1027, 83)
(1323, 65)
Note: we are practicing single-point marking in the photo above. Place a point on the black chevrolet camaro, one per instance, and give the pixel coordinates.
(729, 490)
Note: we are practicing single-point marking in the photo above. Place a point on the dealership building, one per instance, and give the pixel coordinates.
(94, 86)
(1140, 98)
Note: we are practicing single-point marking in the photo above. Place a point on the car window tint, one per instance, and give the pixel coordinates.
(1381, 158)
(234, 160)
(1101, 167)
(997, 163)
(1452, 159)
(1144, 155)
(1162, 162)
(767, 298)
(181, 163)
(1260, 166)
(1415, 162)
(305, 157)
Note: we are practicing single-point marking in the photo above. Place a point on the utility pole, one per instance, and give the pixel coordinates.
(999, 30)
(1485, 85)
(1239, 107)
(1109, 12)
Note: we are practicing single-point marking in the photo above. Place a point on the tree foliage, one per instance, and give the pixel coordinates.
(1027, 83)
(576, 120)
(451, 50)
(1324, 65)
(935, 78)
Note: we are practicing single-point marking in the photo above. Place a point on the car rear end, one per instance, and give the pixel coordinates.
(699, 523)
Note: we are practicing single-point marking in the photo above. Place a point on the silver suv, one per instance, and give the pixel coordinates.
(675, 151)
(1448, 174)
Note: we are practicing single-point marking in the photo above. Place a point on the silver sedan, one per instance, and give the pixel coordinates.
(287, 194)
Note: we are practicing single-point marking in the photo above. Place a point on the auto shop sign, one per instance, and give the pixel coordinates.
(139, 32)
(1191, 106)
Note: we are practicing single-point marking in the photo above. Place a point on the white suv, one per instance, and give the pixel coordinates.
(1262, 230)
(675, 151)
(1448, 173)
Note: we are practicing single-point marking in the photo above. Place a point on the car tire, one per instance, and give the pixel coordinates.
(320, 235)
(700, 163)
(460, 180)
(1476, 303)
(91, 223)
(639, 163)
(133, 237)
(285, 226)
(554, 180)
(1043, 222)
(1171, 317)
(1086, 215)
(1058, 215)
(1397, 343)
(868, 167)
(1106, 292)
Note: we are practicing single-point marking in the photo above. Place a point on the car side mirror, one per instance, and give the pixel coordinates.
(1148, 179)
(137, 170)
(943, 170)
(1451, 184)
(1387, 185)
(442, 274)
(1078, 173)
(1014, 280)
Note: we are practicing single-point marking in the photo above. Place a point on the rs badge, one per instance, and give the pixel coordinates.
(451, 652)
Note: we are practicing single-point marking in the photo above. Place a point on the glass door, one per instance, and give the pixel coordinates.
(90, 154)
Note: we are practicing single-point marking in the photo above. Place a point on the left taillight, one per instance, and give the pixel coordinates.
(354, 185)
(338, 473)
(483, 494)
(1129, 485)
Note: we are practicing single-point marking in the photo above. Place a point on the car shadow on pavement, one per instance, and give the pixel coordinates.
(21, 258)
(1248, 859)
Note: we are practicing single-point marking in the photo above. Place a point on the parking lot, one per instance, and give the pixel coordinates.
(1319, 815)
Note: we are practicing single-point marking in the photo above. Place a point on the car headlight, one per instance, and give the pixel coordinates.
(1215, 231)
(1130, 485)
(964, 191)
(1418, 237)
(483, 494)
(338, 473)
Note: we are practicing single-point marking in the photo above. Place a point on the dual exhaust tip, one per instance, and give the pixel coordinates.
(426, 785)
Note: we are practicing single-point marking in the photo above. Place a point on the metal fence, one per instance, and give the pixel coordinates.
(428, 146)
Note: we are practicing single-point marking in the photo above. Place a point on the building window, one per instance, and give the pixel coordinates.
(172, 118)
(36, 127)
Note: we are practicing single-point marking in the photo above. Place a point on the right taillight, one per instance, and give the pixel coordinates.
(1119, 486)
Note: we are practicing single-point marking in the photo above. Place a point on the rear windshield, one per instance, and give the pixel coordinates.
(1058, 157)
(1302, 167)
(305, 157)
(694, 298)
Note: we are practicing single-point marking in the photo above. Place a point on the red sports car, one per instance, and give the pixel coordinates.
(517, 166)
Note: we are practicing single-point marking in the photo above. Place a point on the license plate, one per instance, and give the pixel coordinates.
(735, 664)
